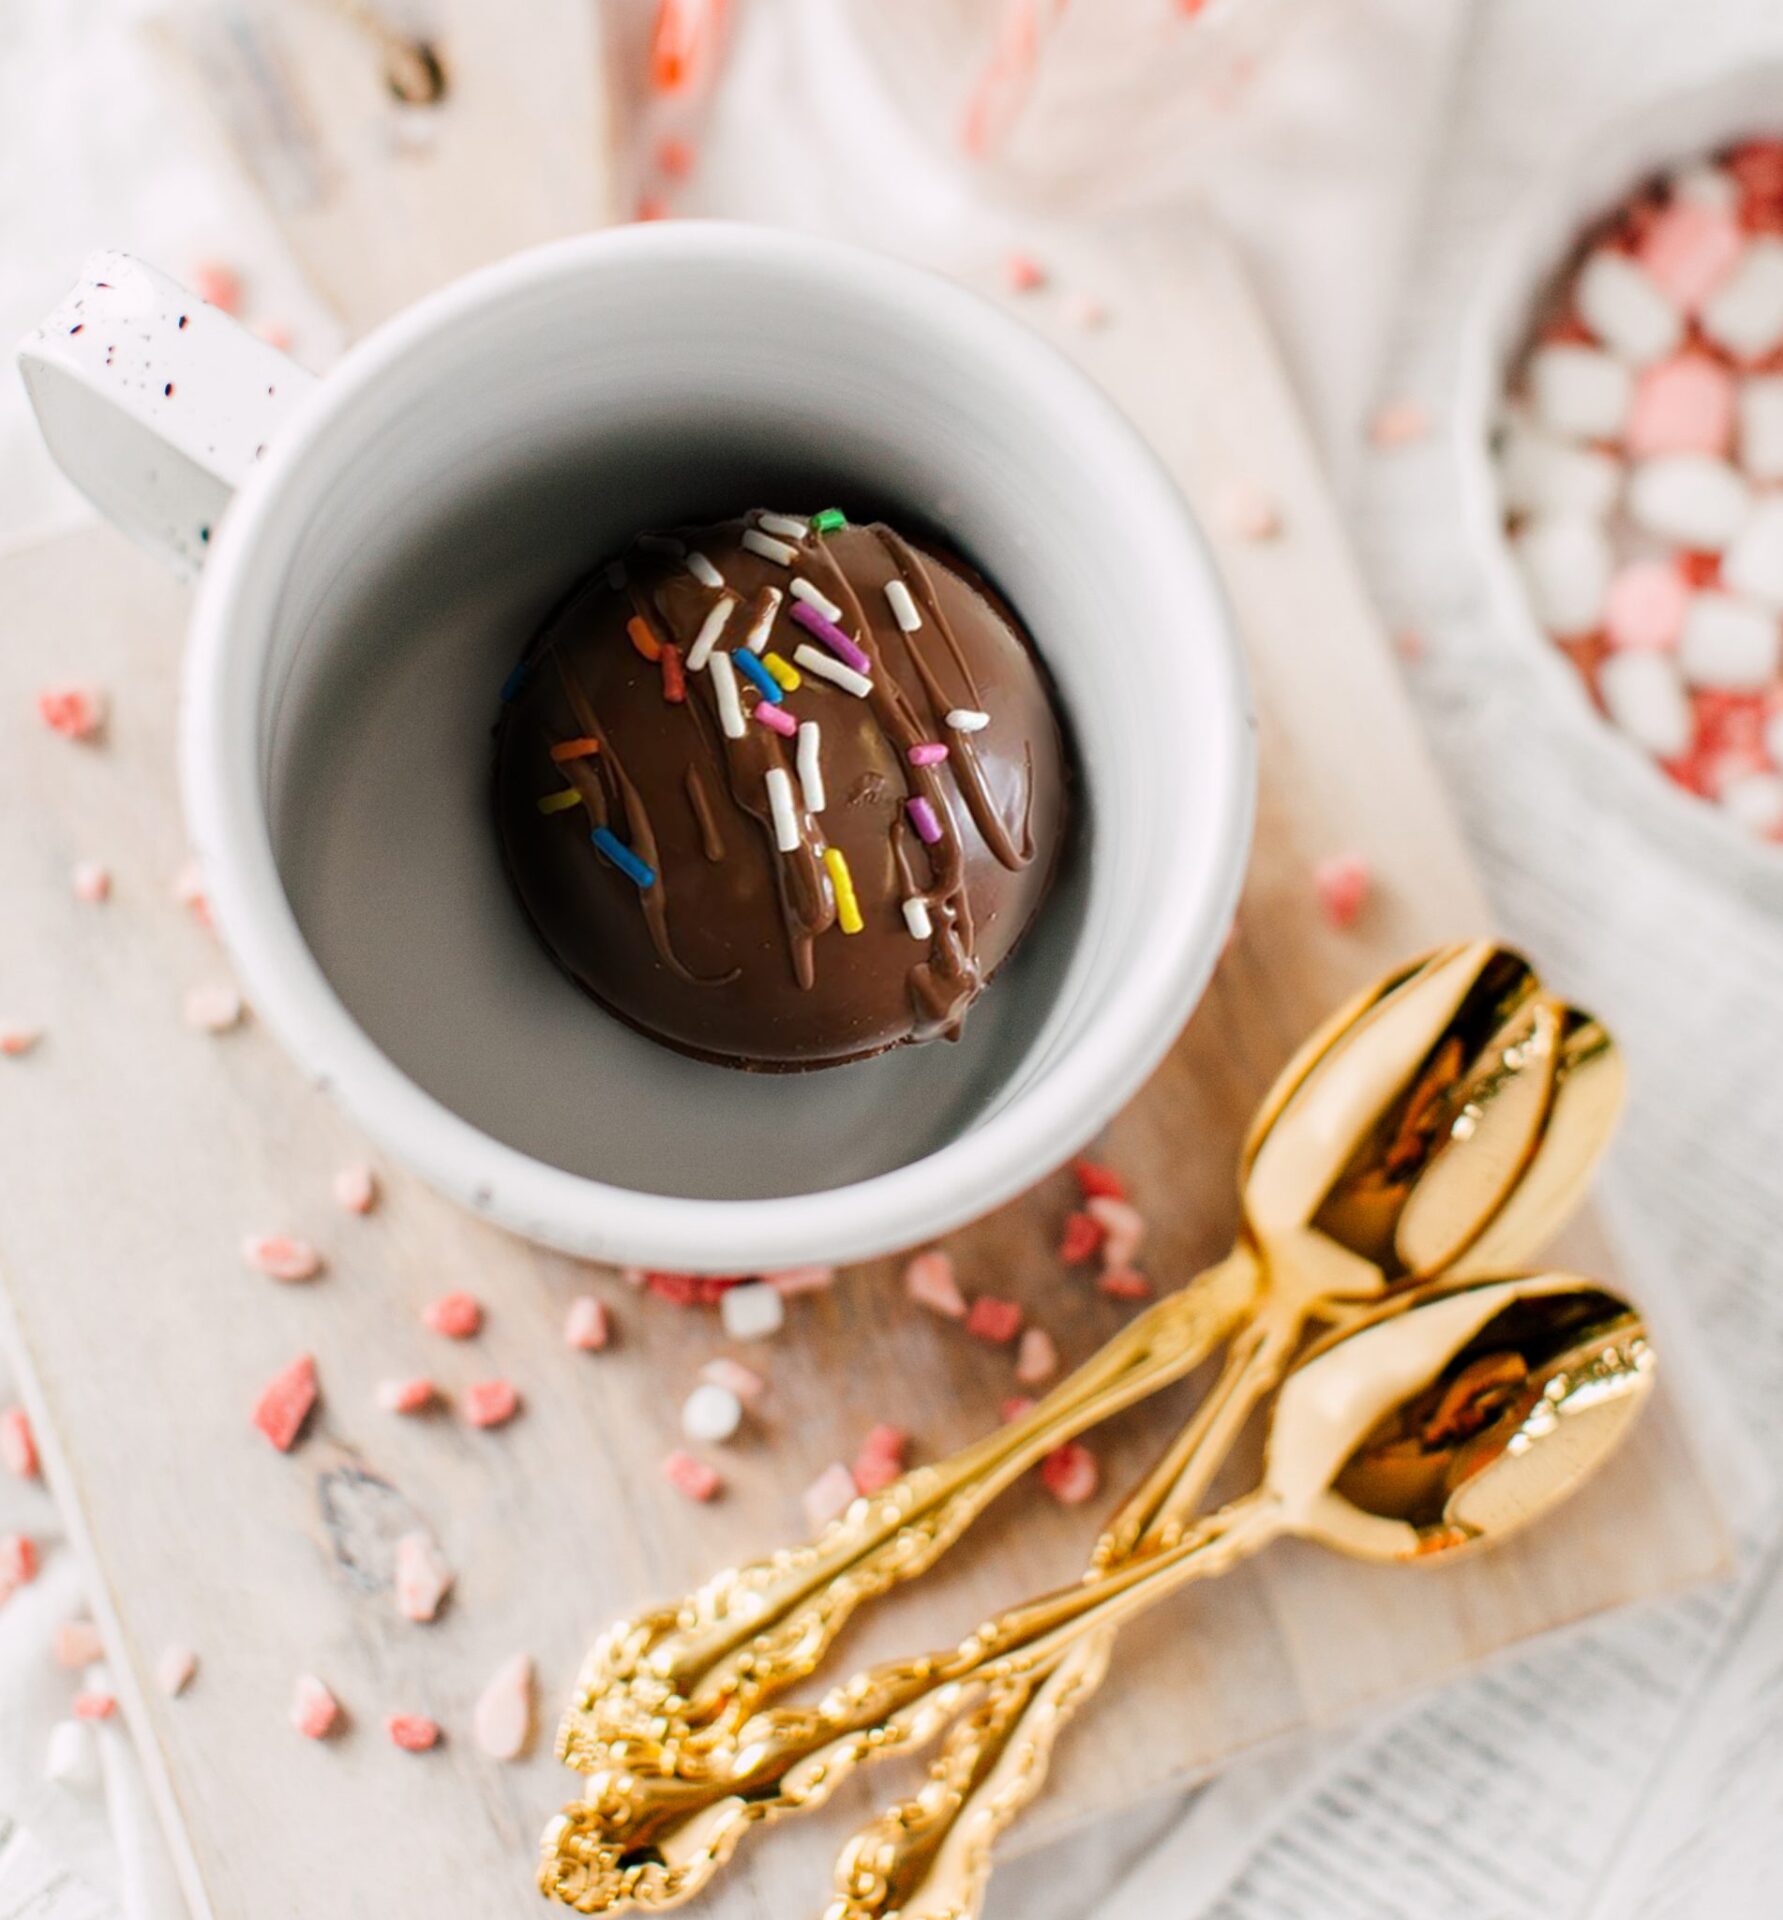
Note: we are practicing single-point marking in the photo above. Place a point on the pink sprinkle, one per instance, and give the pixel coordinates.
(356, 1188)
(174, 1669)
(832, 636)
(502, 1718)
(276, 334)
(1022, 273)
(1246, 512)
(285, 1402)
(422, 1578)
(1082, 1236)
(927, 753)
(675, 157)
(1124, 1283)
(188, 890)
(16, 1040)
(18, 1562)
(1343, 884)
(1093, 1178)
(413, 1732)
(788, 1281)
(922, 818)
(586, 1325)
(691, 1477)
(91, 882)
(314, 1710)
(929, 1281)
(1398, 424)
(734, 1377)
(490, 1403)
(1070, 1474)
(830, 1495)
(407, 1396)
(1017, 1407)
(881, 1458)
(217, 285)
(213, 1009)
(18, 1445)
(457, 1315)
(995, 1320)
(1123, 1227)
(1683, 405)
(78, 1644)
(280, 1257)
(1689, 249)
(1645, 605)
(1037, 1358)
(75, 712)
(777, 719)
(94, 1706)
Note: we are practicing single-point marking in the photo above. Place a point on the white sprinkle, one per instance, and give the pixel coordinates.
(785, 524)
(833, 671)
(916, 918)
(810, 766)
(711, 627)
(73, 1760)
(765, 609)
(703, 570)
(786, 820)
(903, 607)
(802, 589)
(662, 543)
(968, 720)
(752, 1311)
(768, 547)
(724, 685)
(616, 574)
(711, 1413)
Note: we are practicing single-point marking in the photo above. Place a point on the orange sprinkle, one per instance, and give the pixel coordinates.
(642, 638)
(575, 749)
(674, 680)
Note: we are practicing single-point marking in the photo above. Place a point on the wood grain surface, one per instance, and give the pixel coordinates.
(138, 1154)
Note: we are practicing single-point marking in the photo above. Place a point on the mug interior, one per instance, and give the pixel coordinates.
(519, 439)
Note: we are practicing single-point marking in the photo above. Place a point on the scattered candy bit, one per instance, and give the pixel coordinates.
(1016, 1407)
(459, 1316)
(1124, 1283)
(1085, 312)
(407, 1396)
(922, 818)
(1122, 1224)
(779, 551)
(723, 672)
(761, 621)
(642, 638)
(833, 671)
(490, 1403)
(1342, 884)
(916, 918)
(674, 676)
(1246, 512)
(413, 1732)
(18, 1563)
(881, 1458)
(1082, 1237)
(213, 1009)
(1070, 1474)
(585, 1324)
(927, 753)
(17, 1040)
(502, 1718)
(832, 636)
(217, 285)
(929, 1281)
(356, 1188)
(967, 720)
(786, 1281)
(18, 1445)
(93, 1706)
(623, 858)
(188, 890)
(1036, 1358)
(1398, 424)
(828, 1497)
(903, 606)
(691, 1477)
(1022, 273)
(786, 677)
(72, 1760)
(280, 1257)
(829, 520)
(772, 694)
(78, 1644)
(174, 1668)
(422, 1578)
(788, 525)
(583, 747)
(711, 1413)
(91, 882)
(703, 570)
(285, 1402)
(752, 1312)
(75, 712)
(314, 1710)
(736, 1378)
(995, 1320)
(848, 911)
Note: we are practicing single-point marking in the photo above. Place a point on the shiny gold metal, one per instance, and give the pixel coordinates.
(1508, 1392)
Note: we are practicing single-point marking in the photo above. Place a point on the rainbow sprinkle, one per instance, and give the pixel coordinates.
(581, 749)
(786, 675)
(830, 520)
(968, 720)
(848, 908)
(561, 801)
(927, 753)
(765, 683)
(787, 525)
(786, 820)
(674, 680)
(623, 858)
(765, 609)
(833, 671)
(916, 918)
(903, 608)
(776, 719)
(711, 627)
(642, 638)
(703, 570)
(768, 547)
(514, 682)
(811, 766)
(922, 818)
(802, 589)
(724, 690)
(832, 637)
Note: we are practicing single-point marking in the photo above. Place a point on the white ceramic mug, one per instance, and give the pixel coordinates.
(377, 546)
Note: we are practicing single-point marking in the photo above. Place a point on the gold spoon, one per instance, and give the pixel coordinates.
(663, 1694)
(996, 1759)
(1420, 1431)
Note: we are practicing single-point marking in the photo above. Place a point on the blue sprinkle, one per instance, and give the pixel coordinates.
(623, 858)
(770, 689)
(514, 682)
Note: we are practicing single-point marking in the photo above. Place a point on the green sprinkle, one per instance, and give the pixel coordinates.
(558, 802)
(830, 520)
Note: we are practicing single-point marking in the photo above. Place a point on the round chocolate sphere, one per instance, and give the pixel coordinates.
(781, 793)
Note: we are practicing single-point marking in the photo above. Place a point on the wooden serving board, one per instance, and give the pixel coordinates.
(138, 1153)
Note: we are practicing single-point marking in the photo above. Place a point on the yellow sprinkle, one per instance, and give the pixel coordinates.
(560, 801)
(788, 676)
(848, 911)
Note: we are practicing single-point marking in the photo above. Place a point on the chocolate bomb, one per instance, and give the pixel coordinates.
(781, 793)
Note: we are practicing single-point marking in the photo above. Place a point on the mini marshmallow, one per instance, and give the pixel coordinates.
(1626, 308)
(1689, 498)
(1566, 567)
(1755, 802)
(1579, 391)
(711, 1413)
(1690, 249)
(1746, 314)
(1538, 473)
(751, 1312)
(1761, 425)
(1645, 698)
(73, 1759)
(1728, 644)
(1682, 405)
(1753, 565)
(1645, 605)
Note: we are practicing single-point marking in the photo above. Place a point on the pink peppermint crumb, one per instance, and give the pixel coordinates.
(828, 1496)
(1022, 273)
(90, 882)
(929, 1281)
(18, 1445)
(407, 1396)
(94, 1706)
(490, 1403)
(217, 285)
(881, 1458)
(1398, 424)
(1342, 884)
(734, 1377)
(1070, 1474)
(314, 1710)
(421, 1578)
(790, 1280)
(691, 1477)
(502, 1718)
(995, 1320)
(280, 1257)
(1124, 1283)
(356, 1188)
(413, 1732)
(1095, 1180)
(188, 890)
(1083, 1236)
(75, 712)
(17, 1039)
(18, 1562)
(586, 1324)
(1037, 1358)
(285, 1402)
(78, 1644)
(1123, 1228)
(457, 1315)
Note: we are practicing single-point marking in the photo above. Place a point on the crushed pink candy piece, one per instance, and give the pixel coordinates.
(787, 1281)
(1016, 1407)
(16, 1040)
(586, 1324)
(356, 1188)
(1123, 1228)
(995, 1320)
(75, 712)
(490, 1403)
(831, 1494)
(407, 1396)
(217, 285)
(280, 1257)
(1124, 1283)
(78, 1644)
(413, 1732)
(1022, 273)
(734, 1377)
(174, 1668)
(285, 1402)
(1093, 1180)
(314, 1710)
(457, 1315)
(1343, 884)
(691, 1477)
(1070, 1474)
(1082, 1236)
(214, 1008)
(188, 890)
(422, 1578)
(880, 1460)
(90, 882)
(929, 1281)
(1398, 424)
(18, 1562)
(1036, 1358)
(18, 1445)
(94, 1706)
(502, 1717)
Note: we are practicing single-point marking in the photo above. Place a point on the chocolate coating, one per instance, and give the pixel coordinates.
(737, 950)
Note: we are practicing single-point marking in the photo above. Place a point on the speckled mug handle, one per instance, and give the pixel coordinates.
(155, 405)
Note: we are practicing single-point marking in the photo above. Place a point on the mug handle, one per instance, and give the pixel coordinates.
(155, 405)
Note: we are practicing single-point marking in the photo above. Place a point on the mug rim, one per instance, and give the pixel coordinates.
(1098, 1069)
